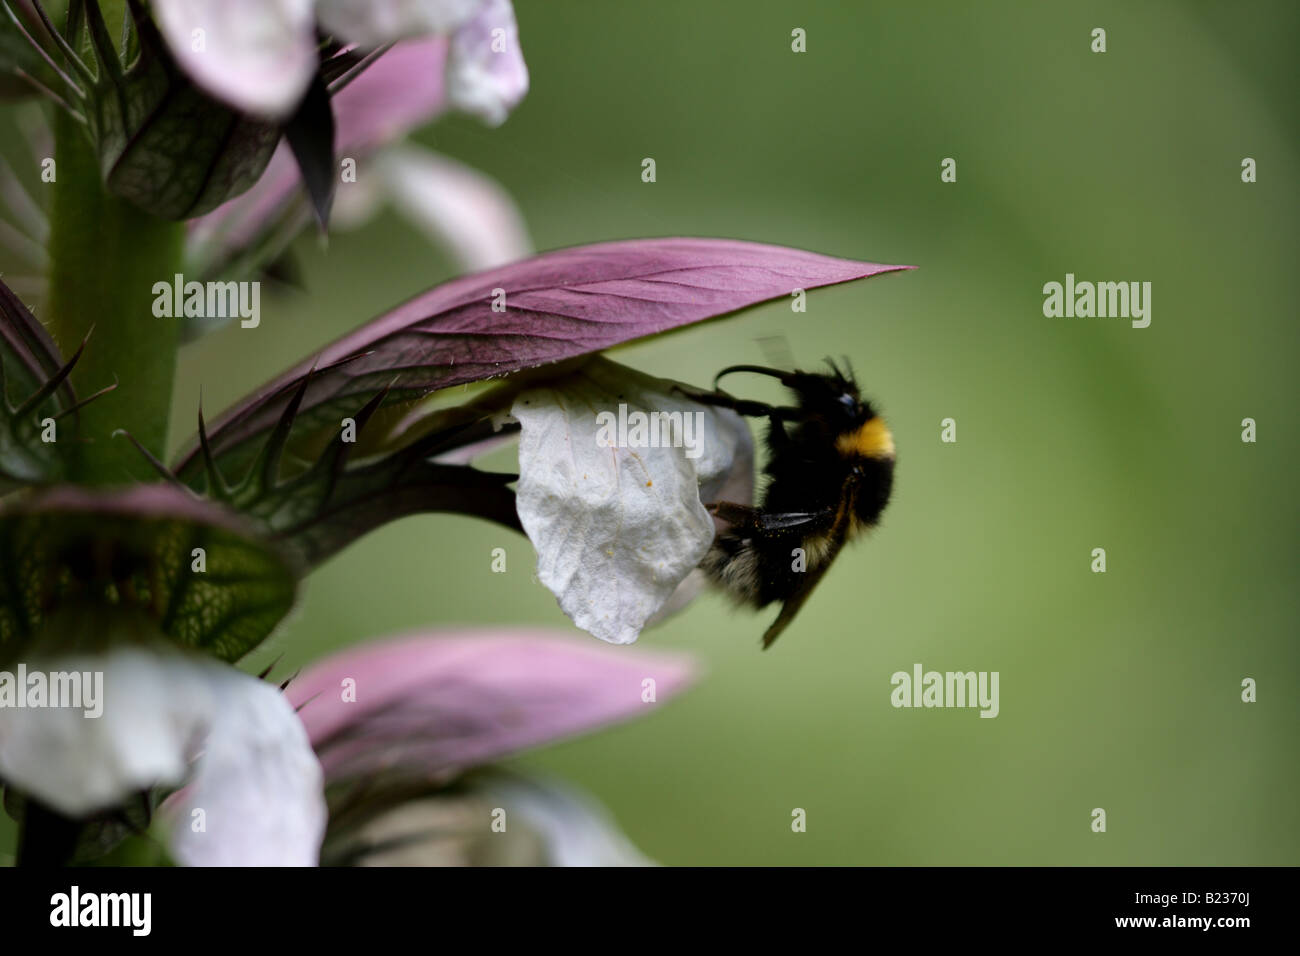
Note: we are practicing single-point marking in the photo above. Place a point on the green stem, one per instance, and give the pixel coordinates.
(105, 256)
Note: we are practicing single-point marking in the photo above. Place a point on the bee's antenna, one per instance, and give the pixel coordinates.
(786, 378)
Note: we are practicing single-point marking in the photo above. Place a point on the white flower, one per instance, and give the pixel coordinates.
(256, 55)
(259, 56)
(172, 717)
(486, 73)
(617, 529)
(457, 207)
(375, 22)
(573, 828)
(494, 819)
(465, 211)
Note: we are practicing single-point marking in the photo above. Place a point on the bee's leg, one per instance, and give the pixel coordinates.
(776, 415)
(745, 518)
(741, 517)
(741, 406)
(777, 437)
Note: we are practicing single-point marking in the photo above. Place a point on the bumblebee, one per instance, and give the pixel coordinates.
(830, 470)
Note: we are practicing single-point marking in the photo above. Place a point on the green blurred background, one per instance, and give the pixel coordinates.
(1118, 690)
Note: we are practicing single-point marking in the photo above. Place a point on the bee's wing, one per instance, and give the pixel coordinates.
(796, 600)
(776, 349)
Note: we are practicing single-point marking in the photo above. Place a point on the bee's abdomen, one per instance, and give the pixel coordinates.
(732, 563)
(756, 571)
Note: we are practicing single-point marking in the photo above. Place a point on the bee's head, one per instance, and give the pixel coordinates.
(834, 408)
(862, 433)
(836, 395)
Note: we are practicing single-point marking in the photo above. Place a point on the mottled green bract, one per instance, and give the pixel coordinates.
(70, 566)
(171, 150)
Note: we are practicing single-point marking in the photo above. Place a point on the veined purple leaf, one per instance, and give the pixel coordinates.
(551, 307)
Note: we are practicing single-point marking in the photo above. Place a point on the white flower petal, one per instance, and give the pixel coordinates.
(617, 529)
(373, 23)
(468, 213)
(736, 486)
(155, 709)
(258, 783)
(574, 829)
(256, 777)
(256, 55)
(545, 824)
(486, 73)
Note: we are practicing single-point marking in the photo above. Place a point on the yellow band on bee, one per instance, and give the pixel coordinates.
(872, 440)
